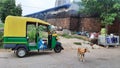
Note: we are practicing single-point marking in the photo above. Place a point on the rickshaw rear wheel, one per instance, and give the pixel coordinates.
(57, 49)
(21, 52)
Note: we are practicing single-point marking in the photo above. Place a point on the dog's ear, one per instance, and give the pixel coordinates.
(87, 50)
(79, 48)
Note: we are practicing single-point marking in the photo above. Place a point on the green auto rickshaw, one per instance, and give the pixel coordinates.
(16, 37)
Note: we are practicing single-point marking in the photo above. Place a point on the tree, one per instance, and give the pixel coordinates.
(1, 4)
(17, 10)
(106, 10)
(79, 3)
(9, 8)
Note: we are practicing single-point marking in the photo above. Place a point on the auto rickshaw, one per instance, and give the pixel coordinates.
(16, 38)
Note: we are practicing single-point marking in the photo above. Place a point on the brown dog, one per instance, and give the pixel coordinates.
(81, 53)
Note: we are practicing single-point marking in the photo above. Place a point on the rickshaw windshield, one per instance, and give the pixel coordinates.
(15, 26)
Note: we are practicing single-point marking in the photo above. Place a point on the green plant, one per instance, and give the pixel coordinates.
(1, 25)
(109, 12)
(43, 34)
(67, 36)
(8, 7)
(31, 30)
(75, 36)
(42, 28)
(74, 32)
(1, 35)
(82, 37)
(1, 46)
(31, 35)
(78, 43)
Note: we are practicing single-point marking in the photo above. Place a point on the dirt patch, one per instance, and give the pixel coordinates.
(5, 50)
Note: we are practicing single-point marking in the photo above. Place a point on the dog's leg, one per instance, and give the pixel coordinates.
(77, 53)
(78, 56)
(83, 57)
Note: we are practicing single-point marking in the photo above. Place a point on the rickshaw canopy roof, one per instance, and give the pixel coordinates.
(15, 26)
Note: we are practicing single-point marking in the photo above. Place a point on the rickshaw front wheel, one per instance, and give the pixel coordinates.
(21, 52)
(57, 49)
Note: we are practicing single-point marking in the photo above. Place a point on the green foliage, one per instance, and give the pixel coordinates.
(8, 7)
(1, 25)
(116, 6)
(67, 36)
(1, 46)
(106, 10)
(1, 35)
(108, 18)
(75, 36)
(42, 28)
(43, 34)
(31, 35)
(78, 43)
(31, 30)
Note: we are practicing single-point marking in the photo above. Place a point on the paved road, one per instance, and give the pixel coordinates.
(102, 58)
(97, 58)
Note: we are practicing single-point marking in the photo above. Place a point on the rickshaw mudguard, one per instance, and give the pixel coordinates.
(21, 46)
(55, 42)
(59, 44)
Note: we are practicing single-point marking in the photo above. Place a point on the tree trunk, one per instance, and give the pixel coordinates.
(106, 26)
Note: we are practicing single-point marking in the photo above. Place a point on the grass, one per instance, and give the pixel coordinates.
(1, 34)
(1, 25)
(78, 43)
(67, 36)
(82, 37)
(1, 46)
(75, 36)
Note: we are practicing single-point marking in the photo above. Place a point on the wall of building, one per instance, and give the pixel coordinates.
(60, 22)
(90, 24)
(75, 24)
(115, 28)
(84, 24)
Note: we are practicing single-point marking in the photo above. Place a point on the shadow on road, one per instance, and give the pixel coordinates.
(30, 54)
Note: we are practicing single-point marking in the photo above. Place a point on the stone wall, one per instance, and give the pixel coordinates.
(60, 22)
(74, 24)
(84, 24)
(90, 24)
(115, 28)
